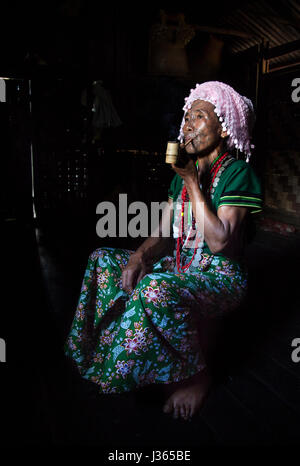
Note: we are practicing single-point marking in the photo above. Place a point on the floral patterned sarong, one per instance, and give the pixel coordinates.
(123, 342)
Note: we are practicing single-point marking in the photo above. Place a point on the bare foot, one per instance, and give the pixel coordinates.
(188, 395)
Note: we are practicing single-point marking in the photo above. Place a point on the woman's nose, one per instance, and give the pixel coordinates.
(189, 126)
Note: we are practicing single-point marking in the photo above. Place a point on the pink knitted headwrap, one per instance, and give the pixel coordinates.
(235, 113)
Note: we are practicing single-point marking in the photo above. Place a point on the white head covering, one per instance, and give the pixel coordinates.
(235, 113)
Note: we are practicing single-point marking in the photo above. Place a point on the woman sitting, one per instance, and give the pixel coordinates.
(139, 315)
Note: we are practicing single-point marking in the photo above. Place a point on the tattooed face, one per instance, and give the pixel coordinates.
(201, 121)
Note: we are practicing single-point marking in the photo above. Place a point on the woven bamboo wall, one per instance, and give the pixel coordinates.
(282, 187)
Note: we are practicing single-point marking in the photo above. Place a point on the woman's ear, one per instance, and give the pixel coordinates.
(224, 134)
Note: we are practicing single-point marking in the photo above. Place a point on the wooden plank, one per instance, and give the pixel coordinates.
(124, 420)
(280, 353)
(280, 422)
(282, 49)
(277, 380)
(157, 428)
(224, 31)
(232, 422)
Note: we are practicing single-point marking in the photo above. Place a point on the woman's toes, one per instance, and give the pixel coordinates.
(176, 412)
(168, 407)
(183, 411)
(187, 413)
(194, 410)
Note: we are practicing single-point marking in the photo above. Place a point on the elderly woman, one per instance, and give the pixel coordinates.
(139, 316)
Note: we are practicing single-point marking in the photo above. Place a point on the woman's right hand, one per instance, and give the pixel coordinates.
(134, 271)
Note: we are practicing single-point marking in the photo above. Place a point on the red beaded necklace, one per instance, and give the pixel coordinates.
(215, 168)
(180, 239)
(185, 197)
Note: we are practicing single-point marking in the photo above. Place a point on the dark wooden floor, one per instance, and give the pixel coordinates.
(256, 397)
